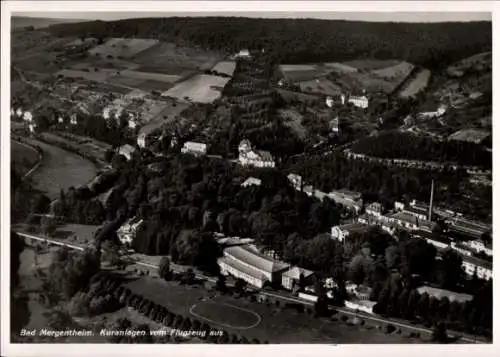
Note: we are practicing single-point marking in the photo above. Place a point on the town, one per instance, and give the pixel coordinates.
(183, 182)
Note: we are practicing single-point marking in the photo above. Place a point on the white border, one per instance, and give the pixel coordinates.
(239, 7)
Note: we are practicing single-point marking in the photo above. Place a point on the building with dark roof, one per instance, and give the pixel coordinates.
(340, 233)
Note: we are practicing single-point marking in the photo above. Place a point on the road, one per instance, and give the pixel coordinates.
(281, 296)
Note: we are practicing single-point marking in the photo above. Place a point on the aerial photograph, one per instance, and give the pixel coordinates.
(246, 179)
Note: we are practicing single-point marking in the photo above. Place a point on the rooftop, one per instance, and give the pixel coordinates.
(405, 217)
(255, 259)
(295, 272)
(477, 262)
(441, 293)
(264, 155)
(242, 267)
(355, 227)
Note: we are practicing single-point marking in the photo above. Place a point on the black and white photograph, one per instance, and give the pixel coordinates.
(195, 176)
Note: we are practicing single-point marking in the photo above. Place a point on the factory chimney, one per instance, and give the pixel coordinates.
(430, 201)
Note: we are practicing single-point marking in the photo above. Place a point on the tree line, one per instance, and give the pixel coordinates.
(305, 40)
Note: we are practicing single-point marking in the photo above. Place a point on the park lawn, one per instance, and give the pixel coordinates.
(60, 169)
(23, 157)
(278, 325)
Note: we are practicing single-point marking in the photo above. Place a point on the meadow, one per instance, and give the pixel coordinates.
(201, 88)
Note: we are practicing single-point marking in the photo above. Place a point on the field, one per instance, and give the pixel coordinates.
(320, 85)
(240, 316)
(201, 88)
(416, 84)
(170, 58)
(23, 157)
(99, 76)
(226, 67)
(400, 70)
(341, 67)
(60, 169)
(470, 135)
(122, 47)
(166, 116)
(149, 76)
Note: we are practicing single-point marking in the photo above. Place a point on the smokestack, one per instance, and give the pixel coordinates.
(430, 201)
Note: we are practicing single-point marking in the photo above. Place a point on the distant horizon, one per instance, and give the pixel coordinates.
(399, 17)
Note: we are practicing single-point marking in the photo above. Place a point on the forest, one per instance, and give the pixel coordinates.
(433, 45)
(399, 145)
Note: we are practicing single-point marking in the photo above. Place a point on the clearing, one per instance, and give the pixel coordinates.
(417, 84)
(201, 88)
(60, 169)
(320, 85)
(371, 64)
(226, 67)
(122, 47)
(168, 78)
(237, 315)
(399, 71)
(23, 157)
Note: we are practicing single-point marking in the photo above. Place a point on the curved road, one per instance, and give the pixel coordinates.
(280, 296)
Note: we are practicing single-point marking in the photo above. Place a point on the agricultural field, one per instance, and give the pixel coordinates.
(149, 76)
(201, 88)
(99, 76)
(320, 85)
(264, 321)
(169, 58)
(479, 62)
(416, 84)
(399, 71)
(167, 115)
(60, 169)
(226, 67)
(23, 157)
(122, 47)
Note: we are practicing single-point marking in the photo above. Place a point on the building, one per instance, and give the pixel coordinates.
(28, 117)
(478, 246)
(467, 227)
(375, 209)
(441, 293)
(360, 292)
(291, 277)
(334, 125)
(329, 102)
(127, 151)
(408, 221)
(148, 137)
(243, 54)
(251, 157)
(191, 147)
(247, 264)
(309, 190)
(251, 181)
(358, 101)
(349, 199)
(428, 113)
(459, 247)
(73, 120)
(340, 233)
(126, 233)
(473, 265)
(436, 240)
(360, 305)
(296, 181)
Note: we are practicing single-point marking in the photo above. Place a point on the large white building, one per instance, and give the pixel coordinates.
(248, 264)
(251, 157)
(128, 230)
(194, 148)
(358, 101)
(341, 232)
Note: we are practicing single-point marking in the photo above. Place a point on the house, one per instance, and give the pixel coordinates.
(441, 293)
(28, 117)
(479, 246)
(360, 305)
(334, 125)
(247, 264)
(309, 190)
(291, 277)
(340, 233)
(409, 221)
(251, 181)
(329, 102)
(358, 101)
(251, 157)
(360, 292)
(374, 209)
(126, 233)
(19, 112)
(473, 265)
(243, 54)
(127, 151)
(349, 199)
(296, 181)
(73, 120)
(432, 111)
(191, 147)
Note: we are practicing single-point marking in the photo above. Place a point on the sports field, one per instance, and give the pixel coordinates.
(226, 315)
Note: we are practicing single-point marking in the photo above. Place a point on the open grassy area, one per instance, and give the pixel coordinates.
(371, 64)
(201, 88)
(23, 157)
(278, 324)
(60, 169)
(417, 84)
(123, 47)
(226, 67)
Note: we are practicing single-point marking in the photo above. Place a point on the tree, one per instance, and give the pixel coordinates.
(439, 333)
(48, 225)
(164, 269)
(111, 253)
(240, 286)
(220, 285)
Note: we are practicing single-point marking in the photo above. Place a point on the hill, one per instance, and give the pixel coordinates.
(306, 40)
(19, 22)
